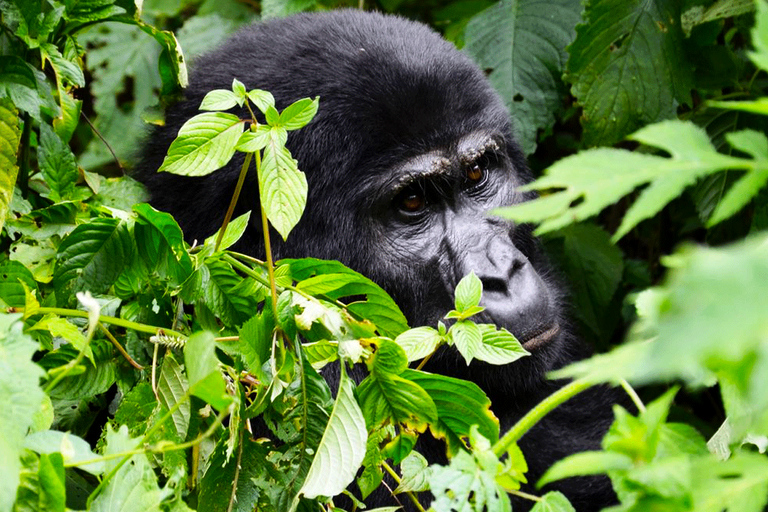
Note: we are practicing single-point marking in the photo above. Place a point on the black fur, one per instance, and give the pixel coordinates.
(392, 90)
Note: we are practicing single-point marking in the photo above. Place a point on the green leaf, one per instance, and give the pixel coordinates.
(172, 388)
(205, 379)
(469, 483)
(460, 404)
(256, 341)
(415, 474)
(98, 375)
(73, 448)
(467, 337)
(93, 255)
(282, 188)
(67, 72)
(299, 113)
(10, 134)
(133, 488)
(499, 346)
(585, 463)
(384, 395)
(26, 87)
(760, 36)
(342, 282)
(418, 343)
(252, 141)
(51, 477)
(238, 89)
(57, 163)
(592, 180)
(205, 143)
(220, 478)
(219, 292)
(553, 501)
(628, 67)
(262, 99)
(342, 448)
(468, 292)
(20, 400)
(523, 47)
(160, 244)
(219, 99)
(235, 229)
(12, 275)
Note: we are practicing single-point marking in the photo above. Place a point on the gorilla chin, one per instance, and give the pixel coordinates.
(410, 150)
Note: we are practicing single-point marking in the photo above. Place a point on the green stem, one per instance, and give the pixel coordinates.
(233, 202)
(525, 423)
(397, 480)
(633, 395)
(525, 495)
(267, 243)
(151, 329)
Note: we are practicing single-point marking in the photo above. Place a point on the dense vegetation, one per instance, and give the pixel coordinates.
(131, 364)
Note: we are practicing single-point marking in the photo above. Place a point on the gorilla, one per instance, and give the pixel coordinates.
(410, 149)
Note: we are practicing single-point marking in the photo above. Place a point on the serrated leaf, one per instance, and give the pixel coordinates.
(172, 387)
(57, 163)
(204, 144)
(418, 343)
(12, 275)
(282, 188)
(468, 292)
(9, 143)
(20, 400)
(27, 90)
(460, 404)
(219, 99)
(341, 449)
(627, 67)
(160, 244)
(218, 281)
(298, 114)
(220, 478)
(523, 46)
(467, 338)
(499, 346)
(553, 501)
(252, 141)
(60, 327)
(415, 474)
(93, 255)
(594, 179)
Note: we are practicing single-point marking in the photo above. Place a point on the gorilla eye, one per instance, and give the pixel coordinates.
(475, 173)
(411, 202)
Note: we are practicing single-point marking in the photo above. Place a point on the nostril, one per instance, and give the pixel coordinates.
(494, 284)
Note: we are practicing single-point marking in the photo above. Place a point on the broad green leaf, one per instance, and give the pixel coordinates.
(219, 99)
(467, 338)
(468, 292)
(386, 396)
(298, 114)
(342, 282)
(98, 374)
(12, 275)
(256, 341)
(460, 404)
(69, 332)
(523, 46)
(172, 388)
(52, 488)
(467, 484)
(341, 449)
(282, 188)
(160, 244)
(698, 14)
(20, 400)
(585, 463)
(499, 346)
(251, 141)
(739, 484)
(415, 474)
(67, 72)
(418, 343)
(57, 163)
(93, 255)
(133, 488)
(262, 99)
(10, 134)
(218, 284)
(26, 87)
(238, 88)
(205, 143)
(73, 448)
(628, 67)
(758, 106)
(173, 67)
(205, 379)
(553, 501)
(589, 181)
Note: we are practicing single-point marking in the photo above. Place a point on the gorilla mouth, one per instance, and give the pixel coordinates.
(541, 338)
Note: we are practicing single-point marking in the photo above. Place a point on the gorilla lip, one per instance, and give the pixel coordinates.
(541, 338)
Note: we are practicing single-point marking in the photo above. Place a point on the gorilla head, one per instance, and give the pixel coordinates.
(410, 149)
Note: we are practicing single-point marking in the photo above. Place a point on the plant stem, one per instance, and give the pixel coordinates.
(525, 495)
(233, 202)
(525, 423)
(267, 244)
(633, 395)
(237, 472)
(119, 347)
(151, 329)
